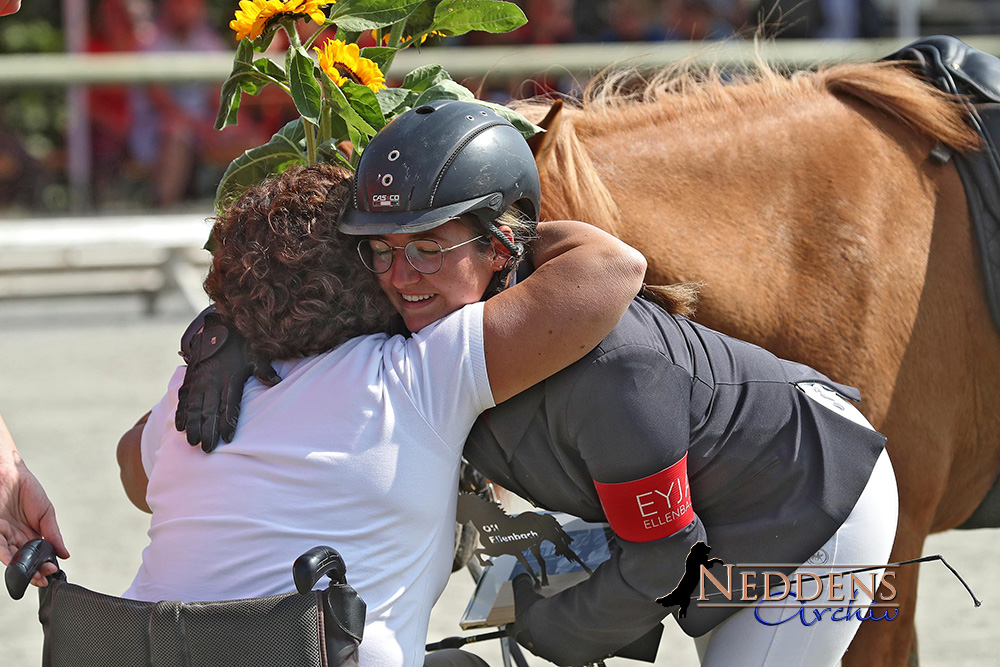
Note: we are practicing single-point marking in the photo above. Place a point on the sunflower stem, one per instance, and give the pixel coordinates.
(310, 141)
(326, 129)
(293, 34)
(312, 40)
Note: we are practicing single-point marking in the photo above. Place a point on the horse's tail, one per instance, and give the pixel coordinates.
(894, 90)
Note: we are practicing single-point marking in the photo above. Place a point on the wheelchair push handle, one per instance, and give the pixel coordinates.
(25, 563)
(313, 564)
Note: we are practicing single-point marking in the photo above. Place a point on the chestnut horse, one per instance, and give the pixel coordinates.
(814, 213)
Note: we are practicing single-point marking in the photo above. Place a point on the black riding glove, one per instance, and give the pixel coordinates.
(219, 363)
(524, 596)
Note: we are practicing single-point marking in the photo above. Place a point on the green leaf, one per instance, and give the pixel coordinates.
(362, 15)
(398, 32)
(269, 68)
(232, 89)
(363, 100)
(424, 77)
(286, 147)
(523, 125)
(445, 90)
(340, 132)
(421, 19)
(328, 152)
(262, 43)
(357, 141)
(305, 89)
(380, 55)
(347, 36)
(391, 99)
(457, 17)
(341, 107)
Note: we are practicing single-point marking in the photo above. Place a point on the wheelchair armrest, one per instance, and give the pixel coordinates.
(25, 563)
(313, 564)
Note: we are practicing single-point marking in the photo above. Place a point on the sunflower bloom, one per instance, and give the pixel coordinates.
(343, 62)
(253, 15)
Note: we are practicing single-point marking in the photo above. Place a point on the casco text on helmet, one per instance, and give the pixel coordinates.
(437, 162)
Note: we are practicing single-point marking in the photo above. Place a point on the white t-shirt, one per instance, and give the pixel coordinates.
(357, 448)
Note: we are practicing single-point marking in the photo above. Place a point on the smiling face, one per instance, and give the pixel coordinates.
(465, 274)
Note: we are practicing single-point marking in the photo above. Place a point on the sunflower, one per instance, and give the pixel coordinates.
(343, 62)
(253, 15)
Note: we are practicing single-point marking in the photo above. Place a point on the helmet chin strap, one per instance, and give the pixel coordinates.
(501, 279)
(500, 236)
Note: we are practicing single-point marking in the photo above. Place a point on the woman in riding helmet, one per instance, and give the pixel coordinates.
(671, 432)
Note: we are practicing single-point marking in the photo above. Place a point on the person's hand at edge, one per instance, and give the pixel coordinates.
(25, 510)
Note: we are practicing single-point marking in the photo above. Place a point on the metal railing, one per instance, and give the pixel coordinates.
(17, 71)
(501, 63)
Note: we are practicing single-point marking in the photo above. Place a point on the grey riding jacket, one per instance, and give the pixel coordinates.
(772, 473)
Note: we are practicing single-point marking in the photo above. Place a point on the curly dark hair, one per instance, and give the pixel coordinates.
(282, 274)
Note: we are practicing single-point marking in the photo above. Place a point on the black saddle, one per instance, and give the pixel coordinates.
(957, 68)
(308, 628)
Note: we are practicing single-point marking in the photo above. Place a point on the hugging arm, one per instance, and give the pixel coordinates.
(583, 282)
(628, 416)
(133, 475)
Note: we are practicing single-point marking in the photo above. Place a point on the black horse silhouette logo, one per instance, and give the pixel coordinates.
(502, 534)
(681, 595)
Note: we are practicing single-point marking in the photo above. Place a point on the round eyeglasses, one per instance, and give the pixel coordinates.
(424, 255)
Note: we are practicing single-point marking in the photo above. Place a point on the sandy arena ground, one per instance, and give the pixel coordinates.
(76, 374)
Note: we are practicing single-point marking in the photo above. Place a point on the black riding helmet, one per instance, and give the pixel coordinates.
(437, 162)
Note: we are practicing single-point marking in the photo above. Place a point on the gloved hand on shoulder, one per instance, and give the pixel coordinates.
(219, 364)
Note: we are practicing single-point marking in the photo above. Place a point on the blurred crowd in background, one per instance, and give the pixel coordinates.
(153, 147)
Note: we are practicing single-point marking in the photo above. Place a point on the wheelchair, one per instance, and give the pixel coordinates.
(309, 628)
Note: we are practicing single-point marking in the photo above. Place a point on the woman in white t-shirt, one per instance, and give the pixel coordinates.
(359, 445)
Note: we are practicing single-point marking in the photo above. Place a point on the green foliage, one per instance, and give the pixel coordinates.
(362, 15)
(332, 115)
(457, 17)
(286, 147)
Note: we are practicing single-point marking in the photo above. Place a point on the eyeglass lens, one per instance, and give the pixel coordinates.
(424, 255)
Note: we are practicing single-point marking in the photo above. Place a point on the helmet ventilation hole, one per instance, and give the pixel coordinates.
(387, 180)
(470, 118)
(424, 109)
(393, 156)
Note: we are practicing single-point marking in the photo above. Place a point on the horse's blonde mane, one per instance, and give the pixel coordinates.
(626, 98)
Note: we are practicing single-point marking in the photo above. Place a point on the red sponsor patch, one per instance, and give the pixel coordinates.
(650, 508)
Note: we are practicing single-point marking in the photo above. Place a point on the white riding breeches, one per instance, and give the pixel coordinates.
(819, 635)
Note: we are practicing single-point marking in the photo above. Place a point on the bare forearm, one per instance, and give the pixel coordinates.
(582, 285)
(133, 475)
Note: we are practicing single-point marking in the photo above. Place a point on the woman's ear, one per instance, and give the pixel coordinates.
(502, 256)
